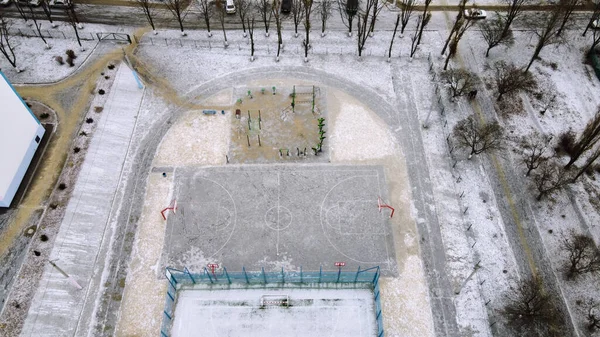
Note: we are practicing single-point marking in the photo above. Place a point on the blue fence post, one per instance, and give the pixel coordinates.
(376, 277)
(209, 277)
(227, 275)
(167, 314)
(245, 275)
(320, 272)
(170, 296)
(301, 278)
(339, 273)
(163, 334)
(282, 276)
(189, 274)
(264, 275)
(171, 280)
(357, 272)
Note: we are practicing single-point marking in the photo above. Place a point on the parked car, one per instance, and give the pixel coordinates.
(229, 7)
(60, 3)
(475, 14)
(286, 6)
(33, 3)
(5, 3)
(596, 24)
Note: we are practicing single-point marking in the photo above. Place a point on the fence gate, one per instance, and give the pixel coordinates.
(119, 37)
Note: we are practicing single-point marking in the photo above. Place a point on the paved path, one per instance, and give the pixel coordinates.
(57, 305)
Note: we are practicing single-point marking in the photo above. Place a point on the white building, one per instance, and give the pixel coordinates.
(20, 135)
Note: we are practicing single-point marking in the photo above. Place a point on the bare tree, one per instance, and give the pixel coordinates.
(406, 9)
(177, 8)
(375, 10)
(21, 11)
(460, 81)
(307, 6)
(48, 12)
(74, 22)
(595, 41)
(277, 16)
(460, 31)
(221, 14)
(364, 22)
(348, 10)
(206, 11)
(242, 7)
(250, 22)
(6, 47)
(493, 34)
(595, 16)
(325, 8)
(416, 37)
(265, 11)
(458, 22)
(584, 256)
(297, 14)
(478, 138)
(549, 178)
(148, 7)
(588, 163)
(37, 26)
(529, 309)
(545, 29)
(393, 37)
(514, 10)
(592, 315)
(568, 6)
(510, 79)
(589, 137)
(535, 148)
(424, 20)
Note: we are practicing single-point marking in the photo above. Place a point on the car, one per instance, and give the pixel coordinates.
(5, 3)
(33, 3)
(286, 6)
(475, 14)
(60, 3)
(596, 24)
(229, 7)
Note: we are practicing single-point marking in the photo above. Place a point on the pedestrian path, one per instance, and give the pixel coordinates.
(58, 302)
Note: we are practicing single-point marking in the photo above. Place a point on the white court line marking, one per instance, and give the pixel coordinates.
(385, 228)
(234, 211)
(323, 226)
(278, 197)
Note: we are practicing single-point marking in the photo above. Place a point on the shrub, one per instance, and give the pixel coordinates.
(44, 237)
(76, 149)
(71, 54)
(62, 186)
(101, 92)
(70, 62)
(111, 66)
(89, 120)
(44, 115)
(566, 141)
(98, 109)
(106, 77)
(83, 133)
(59, 60)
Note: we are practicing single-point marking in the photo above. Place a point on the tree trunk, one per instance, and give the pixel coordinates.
(393, 36)
(487, 52)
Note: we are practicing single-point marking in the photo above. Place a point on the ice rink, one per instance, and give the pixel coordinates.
(260, 312)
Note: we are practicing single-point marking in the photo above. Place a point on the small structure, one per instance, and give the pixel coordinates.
(20, 135)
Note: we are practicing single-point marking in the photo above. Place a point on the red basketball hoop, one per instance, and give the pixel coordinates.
(172, 207)
(381, 205)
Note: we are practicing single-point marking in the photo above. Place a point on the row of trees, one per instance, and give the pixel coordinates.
(31, 17)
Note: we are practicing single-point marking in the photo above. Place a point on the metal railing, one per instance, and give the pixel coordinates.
(178, 278)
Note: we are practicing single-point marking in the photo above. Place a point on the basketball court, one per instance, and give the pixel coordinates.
(275, 312)
(280, 216)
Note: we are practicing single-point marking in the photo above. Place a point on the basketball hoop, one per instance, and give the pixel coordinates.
(381, 205)
(172, 207)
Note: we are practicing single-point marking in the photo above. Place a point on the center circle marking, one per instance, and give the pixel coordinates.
(278, 218)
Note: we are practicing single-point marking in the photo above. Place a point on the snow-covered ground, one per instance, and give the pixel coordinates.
(481, 257)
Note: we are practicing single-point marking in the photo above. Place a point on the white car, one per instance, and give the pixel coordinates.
(230, 7)
(4, 3)
(596, 24)
(474, 14)
(60, 3)
(33, 3)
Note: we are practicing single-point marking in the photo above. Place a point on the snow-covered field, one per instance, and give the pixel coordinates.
(256, 312)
